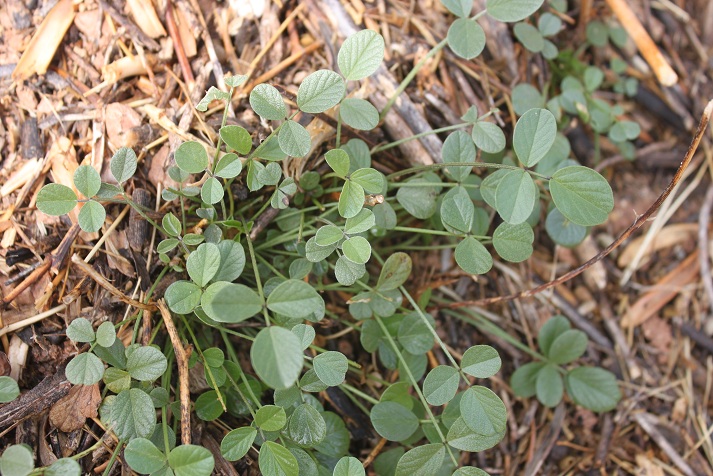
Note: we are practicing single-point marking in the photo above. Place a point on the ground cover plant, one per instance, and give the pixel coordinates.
(269, 250)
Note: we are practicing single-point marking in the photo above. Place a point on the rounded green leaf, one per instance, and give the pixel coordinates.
(271, 418)
(64, 467)
(351, 200)
(415, 335)
(229, 166)
(562, 231)
(307, 427)
(237, 443)
(84, 369)
(87, 180)
(229, 302)
(55, 199)
(277, 357)
(191, 460)
(347, 271)
(395, 272)
(458, 147)
(91, 216)
(525, 97)
(549, 386)
(80, 330)
(212, 191)
(304, 333)
(357, 249)
(338, 160)
(123, 164)
(472, 256)
(460, 8)
(191, 157)
(469, 471)
(328, 235)
(597, 33)
(276, 460)
(9, 389)
(143, 456)
(515, 196)
(182, 297)
(371, 180)
(549, 24)
(294, 139)
(534, 135)
(236, 138)
(361, 54)
(488, 137)
(331, 367)
(457, 211)
(567, 347)
(593, 388)
(441, 385)
(512, 10)
(393, 421)
(348, 466)
(171, 224)
(17, 460)
(423, 460)
(582, 195)
(146, 364)
(232, 261)
(363, 221)
(481, 361)
(106, 334)
(483, 411)
(133, 414)
(294, 298)
(320, 91)
(529, 36)
(359, 114)
(203, 263)
(316, 253)
(466, 38)
(513, 242)
(267, 102)
(461, 437)
(524, 379)
(550, 331)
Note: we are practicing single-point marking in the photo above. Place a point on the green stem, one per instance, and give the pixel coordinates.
(114, 454)
(220, 138)
(484, 165)
(417, 136)
(253, 260)
(359, 393)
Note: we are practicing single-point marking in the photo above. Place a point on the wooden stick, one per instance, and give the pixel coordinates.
(630, 22)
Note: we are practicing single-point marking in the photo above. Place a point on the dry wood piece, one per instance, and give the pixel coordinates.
(145, 16)
(628, 19)
(44, 395)
(46, 40)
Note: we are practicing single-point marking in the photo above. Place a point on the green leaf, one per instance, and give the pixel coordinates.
(55, 199)
(582, 195)
(229, 166)
(208, 407)
(331, 367)
(146, 364)
(359, 114)
(622, 131)
(420, 200)
(525, 97)
(237, 138)
(310, 382)
(213, 94)
(320, 91)
(457, 211)
(550, 50)
(393, 421)
(171, 224)
(91, 216)
(361, 222)
(328, 234)
(458, 147)
(237, 443)
(203, 263)
(529, 36)
(461, 437)
(415, 335)
(106, 334)
(191, 157)
(9, 389)
(549, 24)
(550, 331)
(270, 150)
(304, 333)
(488, 137)
(481, 361)
(441, 385)
(593, 388)
(133, 414)
(294, 139)
(123, 164)
(212, 191)
(143, 456)
(472, 256)
(116, 380)
(307, 427)
(466, 38)
(460, 8)
(395, 272)
(360, 54)
(87, 180)
(80, 330)
(270, 174)
(229, 302)
(348, 466)
(276, 355)
(338, 161)
(232, 261)
(524, 379)
(271, 418)
(568, 346)
(108, 191)
(593, 78)
(17, 460)
(423, 460)
(483, 411)
(549, 386)
(371, 180)
(191, 460)
(512, 10)
(84, 369)
(294, 298)
(357, 249)
(562, 231)
(351, 200)
(64, 467)
(597, 33)
(358, 153)
(276, 460)
(469, 471)
(347, 271)
(316, 253)
(182, 297)
(534, 135)
(384, 216)
(267, 102)
(513, 242)
(300, 268)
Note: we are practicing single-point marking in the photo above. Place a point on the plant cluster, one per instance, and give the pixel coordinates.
(321, 249)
